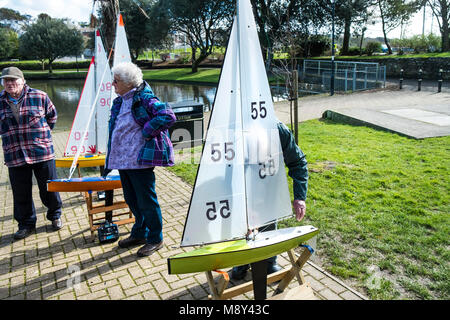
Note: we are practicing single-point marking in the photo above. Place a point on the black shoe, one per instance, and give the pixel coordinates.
(239, 273)
(57, 224)
(273, 267)
(23, 233)
(131, 242)
(149, 248)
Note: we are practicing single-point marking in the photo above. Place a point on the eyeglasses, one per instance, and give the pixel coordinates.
(116, 81)
(11, 80)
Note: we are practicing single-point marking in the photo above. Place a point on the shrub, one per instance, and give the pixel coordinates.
(353, 51)
(419, 44)
(373, 46)
(37, 65)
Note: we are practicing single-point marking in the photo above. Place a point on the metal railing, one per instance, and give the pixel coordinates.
(349, 76)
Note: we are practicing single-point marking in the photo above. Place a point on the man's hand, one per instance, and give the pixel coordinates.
(300, 209)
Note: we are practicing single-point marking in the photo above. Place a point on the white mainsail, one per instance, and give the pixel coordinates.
(121, 49)
(103, 95)
(241, 181)
(266, 184)
(95, 141)
(98, 82)
(104, 99)
(79, 122)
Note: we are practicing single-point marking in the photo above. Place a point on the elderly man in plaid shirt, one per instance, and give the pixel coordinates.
(26, 118)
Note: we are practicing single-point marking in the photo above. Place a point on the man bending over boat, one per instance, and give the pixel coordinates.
(139, 141)
(295, 160)
(27, 117)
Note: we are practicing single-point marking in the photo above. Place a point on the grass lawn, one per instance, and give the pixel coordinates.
(57, 74)
(382, 204)
(206, 75)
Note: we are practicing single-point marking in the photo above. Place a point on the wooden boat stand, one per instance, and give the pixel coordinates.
(107, 208)
(95, 219)
(260, 279)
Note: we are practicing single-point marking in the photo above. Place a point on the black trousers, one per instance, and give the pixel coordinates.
(21, 179)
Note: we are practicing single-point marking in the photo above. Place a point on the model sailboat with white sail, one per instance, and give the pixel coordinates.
(93, 147)
(87, 142)
(241, 181)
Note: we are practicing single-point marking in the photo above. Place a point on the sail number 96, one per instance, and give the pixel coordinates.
(224, 211)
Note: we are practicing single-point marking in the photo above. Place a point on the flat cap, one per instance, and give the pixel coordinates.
(12, 72)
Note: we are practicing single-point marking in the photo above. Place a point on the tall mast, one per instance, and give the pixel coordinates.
(238, 25)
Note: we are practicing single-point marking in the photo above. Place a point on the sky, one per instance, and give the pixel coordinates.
(80, 10)
(76, 10)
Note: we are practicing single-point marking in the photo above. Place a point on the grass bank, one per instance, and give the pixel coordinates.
(382, 204)
(204, 75)
(57, 74)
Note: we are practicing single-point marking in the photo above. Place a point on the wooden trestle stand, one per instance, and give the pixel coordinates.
(107, 208)
(260, 280)
(104, 211)
(94, 211)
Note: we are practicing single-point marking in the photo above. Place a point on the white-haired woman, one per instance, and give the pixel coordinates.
(139, 141)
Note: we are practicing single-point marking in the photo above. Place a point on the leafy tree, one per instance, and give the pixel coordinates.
(9, 43)
(288, 24)
(199, 20)
(441, 10)
(108, 12)
(395, 12)
(146, 23)
(49, 39)
(350, 12)
(13, 19)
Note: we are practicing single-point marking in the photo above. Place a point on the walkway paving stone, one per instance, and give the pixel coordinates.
(67, 265)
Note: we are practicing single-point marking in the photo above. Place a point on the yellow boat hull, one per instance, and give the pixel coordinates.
(83, 161)
(239, 252)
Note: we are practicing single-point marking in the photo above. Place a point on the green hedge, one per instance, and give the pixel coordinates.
(37, 65)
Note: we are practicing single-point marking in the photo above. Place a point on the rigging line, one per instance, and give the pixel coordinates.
(93, 108)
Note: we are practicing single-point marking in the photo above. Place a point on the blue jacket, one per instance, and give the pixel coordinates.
(155, 118)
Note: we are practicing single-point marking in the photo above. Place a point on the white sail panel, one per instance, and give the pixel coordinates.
(104, 98)
(265, 176)
(217, 209)
(121, 49)
(79, 123)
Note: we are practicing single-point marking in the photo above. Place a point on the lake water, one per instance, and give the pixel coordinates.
(66, 93)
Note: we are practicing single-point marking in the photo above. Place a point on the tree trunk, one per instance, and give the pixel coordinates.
(383, 25)
(109, 10)
(346, 41)
(445, 32)
(361, 42)
(196, 63)
(194, 60)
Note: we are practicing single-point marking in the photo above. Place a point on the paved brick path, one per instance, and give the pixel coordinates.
(67, 265)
